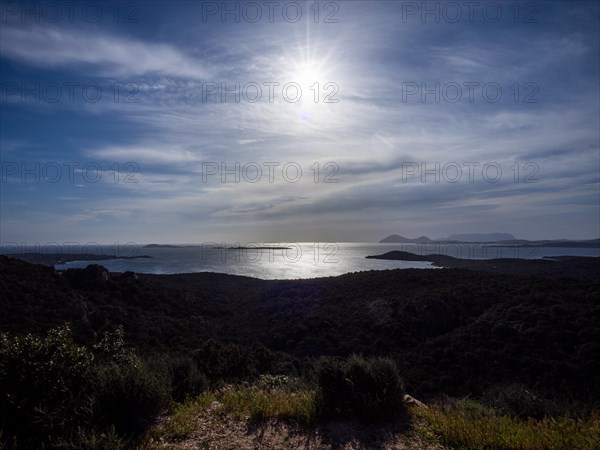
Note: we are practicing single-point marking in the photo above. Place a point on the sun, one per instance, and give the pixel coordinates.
(307, 73)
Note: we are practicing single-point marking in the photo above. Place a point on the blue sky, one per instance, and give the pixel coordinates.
(512, 101)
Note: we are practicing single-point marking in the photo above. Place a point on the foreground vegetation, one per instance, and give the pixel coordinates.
(469, 425)
(463, 425)
(59, 394)
(245, 403)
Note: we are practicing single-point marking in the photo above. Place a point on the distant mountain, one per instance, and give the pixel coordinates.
(473, 237)
(467, 237)
(502, 239)
(590, 243)
(482, 237)
(394, 238)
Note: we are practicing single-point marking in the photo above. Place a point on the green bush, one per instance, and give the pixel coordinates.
(185, 379)
(43, 386)
(334, 387)
(224, 361)
(522, 403)
(55, 393)
(129, 395)
(369, 389)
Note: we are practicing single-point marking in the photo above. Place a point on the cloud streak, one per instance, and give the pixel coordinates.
(109, 55)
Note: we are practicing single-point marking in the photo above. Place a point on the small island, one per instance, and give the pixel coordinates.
(162, 246)
(259, 248)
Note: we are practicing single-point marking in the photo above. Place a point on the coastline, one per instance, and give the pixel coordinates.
(582, 267)
(52, 259)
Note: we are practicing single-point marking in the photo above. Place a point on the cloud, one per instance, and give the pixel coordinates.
(95, 52)
(148, 153)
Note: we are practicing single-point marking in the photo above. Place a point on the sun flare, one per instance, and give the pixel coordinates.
(307, 73)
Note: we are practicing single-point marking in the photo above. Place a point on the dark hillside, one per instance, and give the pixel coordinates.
(452, 331)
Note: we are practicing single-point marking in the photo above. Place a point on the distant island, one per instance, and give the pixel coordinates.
(247, 247)
(394, 238)
(455, 238)
(502, 239)
(218, 246)
(259, 248)
(162, 246)
(482, 237)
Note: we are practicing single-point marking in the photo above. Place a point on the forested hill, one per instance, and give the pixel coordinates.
(452, 331)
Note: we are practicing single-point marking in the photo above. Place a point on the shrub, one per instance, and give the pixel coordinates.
(55, 393)
(522, 403)
(370, 389)
(92, 440)
(223, 361)
(185, 379)
(43, 385)
(268, 381)
(335, 392)
(129, 395)
(266, 361)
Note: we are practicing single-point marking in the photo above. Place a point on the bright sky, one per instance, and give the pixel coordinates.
(428, 118)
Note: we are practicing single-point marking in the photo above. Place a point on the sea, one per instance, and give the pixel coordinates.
(283, 260)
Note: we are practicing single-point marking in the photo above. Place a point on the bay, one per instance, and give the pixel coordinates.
(300, 260)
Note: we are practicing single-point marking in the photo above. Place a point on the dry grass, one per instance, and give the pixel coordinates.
(245, 416)
(471, 427)
(251, 404)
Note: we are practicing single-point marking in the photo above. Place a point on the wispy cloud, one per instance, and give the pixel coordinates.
(97, 52)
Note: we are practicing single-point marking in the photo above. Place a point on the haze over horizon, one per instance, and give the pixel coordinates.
(115, 128)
